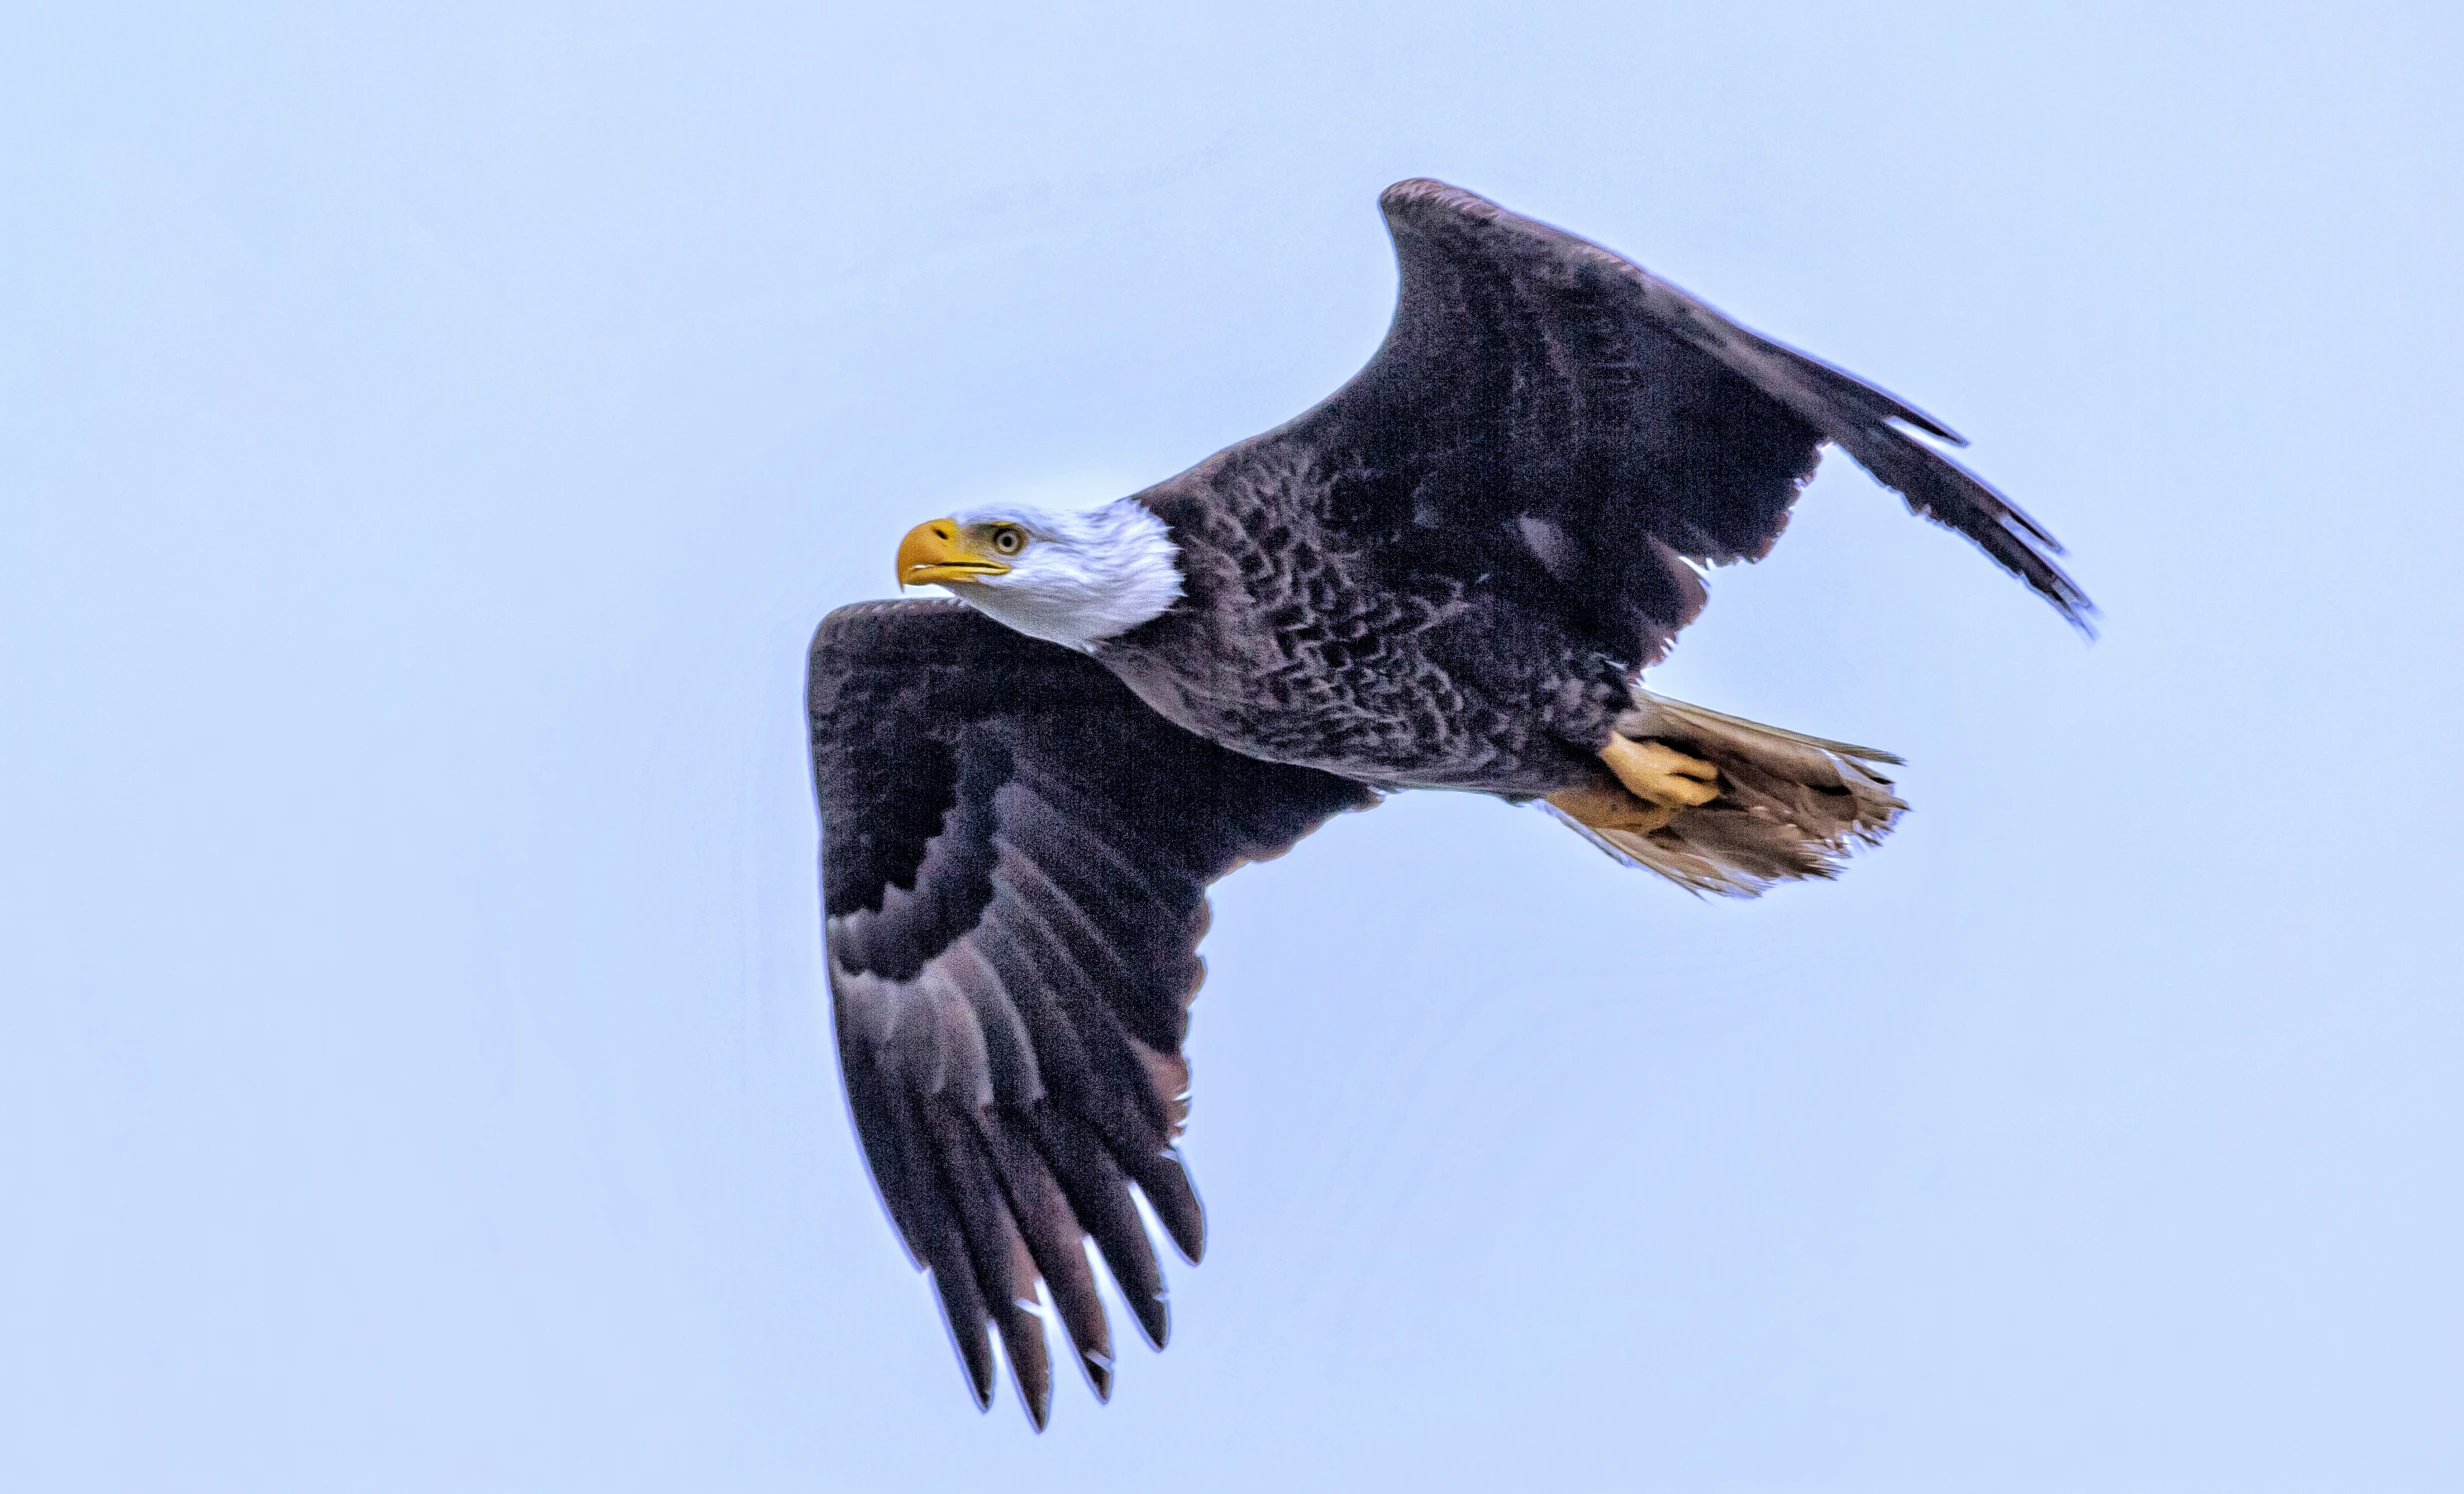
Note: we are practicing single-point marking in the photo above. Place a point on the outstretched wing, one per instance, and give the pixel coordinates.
(1542, 402)
(1015, 854)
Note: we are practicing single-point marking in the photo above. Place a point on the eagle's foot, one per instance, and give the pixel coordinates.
(1659, 774)
(1605, 806)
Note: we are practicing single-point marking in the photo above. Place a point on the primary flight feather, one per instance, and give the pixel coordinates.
(1450, 574)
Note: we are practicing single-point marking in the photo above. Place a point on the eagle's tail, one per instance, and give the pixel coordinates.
(1780, 806)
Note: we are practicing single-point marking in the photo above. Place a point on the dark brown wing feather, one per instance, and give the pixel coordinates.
(1539, 398)
(1015, 853)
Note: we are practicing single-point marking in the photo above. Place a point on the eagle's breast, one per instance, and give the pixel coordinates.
(1292, 645)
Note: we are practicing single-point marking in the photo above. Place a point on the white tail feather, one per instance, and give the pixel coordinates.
(1790, 805)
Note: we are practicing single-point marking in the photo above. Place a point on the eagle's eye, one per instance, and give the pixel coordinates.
(1008, 539)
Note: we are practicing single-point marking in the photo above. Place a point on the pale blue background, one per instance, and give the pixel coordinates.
(427, 441)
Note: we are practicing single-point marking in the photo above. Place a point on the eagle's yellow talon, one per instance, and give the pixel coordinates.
(1605, 806)
(1659, 774)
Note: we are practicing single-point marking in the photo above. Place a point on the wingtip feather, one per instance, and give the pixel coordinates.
(962, 1313)
(1022, 1337)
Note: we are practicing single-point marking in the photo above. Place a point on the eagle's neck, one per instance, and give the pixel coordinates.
(1096, 574)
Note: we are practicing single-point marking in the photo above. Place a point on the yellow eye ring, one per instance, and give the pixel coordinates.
(1008, 539)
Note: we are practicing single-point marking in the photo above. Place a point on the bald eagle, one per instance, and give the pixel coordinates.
(1449, 575)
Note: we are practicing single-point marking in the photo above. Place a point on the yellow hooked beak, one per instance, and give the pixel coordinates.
(936, 551)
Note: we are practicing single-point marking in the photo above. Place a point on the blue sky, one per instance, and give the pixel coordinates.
(427, 442)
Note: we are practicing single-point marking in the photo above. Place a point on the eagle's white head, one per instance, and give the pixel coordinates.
(1073, 577)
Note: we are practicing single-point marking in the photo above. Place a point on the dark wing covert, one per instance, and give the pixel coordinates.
(1015, 854)
(1541, 395)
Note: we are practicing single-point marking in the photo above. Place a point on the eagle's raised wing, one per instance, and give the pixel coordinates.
(1015, 854)
(1541, 400)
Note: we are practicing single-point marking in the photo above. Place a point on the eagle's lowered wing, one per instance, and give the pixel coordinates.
(1015, 852)
(1541, 399)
